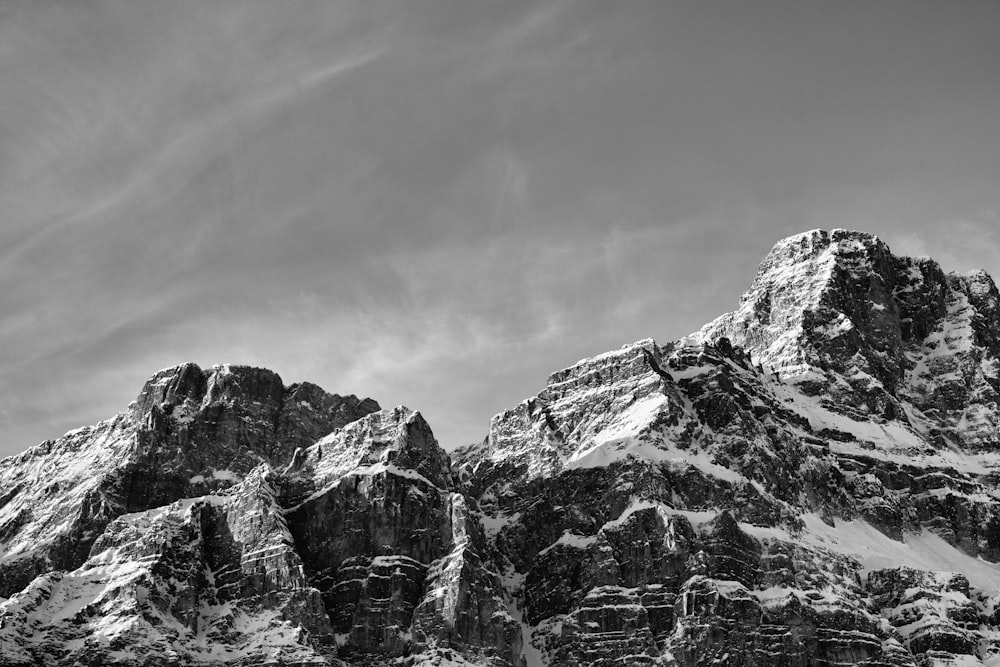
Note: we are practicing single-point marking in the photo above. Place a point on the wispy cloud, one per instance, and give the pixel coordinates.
(322, 75)
(194, 141)
(438, 204)
(960, 245)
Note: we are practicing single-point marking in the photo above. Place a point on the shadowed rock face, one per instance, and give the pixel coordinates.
(808, 480)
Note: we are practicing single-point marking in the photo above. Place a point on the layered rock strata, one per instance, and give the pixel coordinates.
(782, 487)
(808, 480)
(189, 432)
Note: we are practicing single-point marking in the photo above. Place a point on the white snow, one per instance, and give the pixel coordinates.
(571, 539)
(629, 435)
(840, 325)
(875, 550)
(624, 349)
(607, 453)
(371, 470)
(493, 525)
(637, 504)
(889, 440)
(54, 478)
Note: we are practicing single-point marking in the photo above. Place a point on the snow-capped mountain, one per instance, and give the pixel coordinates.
(810, 479)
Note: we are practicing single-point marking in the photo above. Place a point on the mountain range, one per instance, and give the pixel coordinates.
(810, 479)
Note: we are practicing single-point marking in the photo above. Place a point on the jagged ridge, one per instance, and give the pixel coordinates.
(842, 418)
(783, 487)
(188, 433)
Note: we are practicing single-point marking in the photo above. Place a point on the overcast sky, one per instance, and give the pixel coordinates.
(438, 203)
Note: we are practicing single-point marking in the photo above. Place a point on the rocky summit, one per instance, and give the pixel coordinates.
(811, 479)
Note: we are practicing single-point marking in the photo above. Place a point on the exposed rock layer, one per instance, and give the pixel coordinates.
(809, 480)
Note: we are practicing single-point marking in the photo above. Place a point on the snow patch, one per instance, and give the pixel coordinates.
(875, 550)
(571, 540)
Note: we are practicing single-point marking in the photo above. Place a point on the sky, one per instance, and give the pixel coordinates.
(439, 203)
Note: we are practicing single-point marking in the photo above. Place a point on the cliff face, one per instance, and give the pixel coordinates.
(189, 432)
(808, 480)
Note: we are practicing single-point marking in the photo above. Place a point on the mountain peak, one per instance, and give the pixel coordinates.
(189, 432)
(817, 295)
(189, 385)
(822, 238)
(839, 315)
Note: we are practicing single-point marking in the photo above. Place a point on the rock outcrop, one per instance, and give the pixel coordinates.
(190, 432)
(808, 480)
